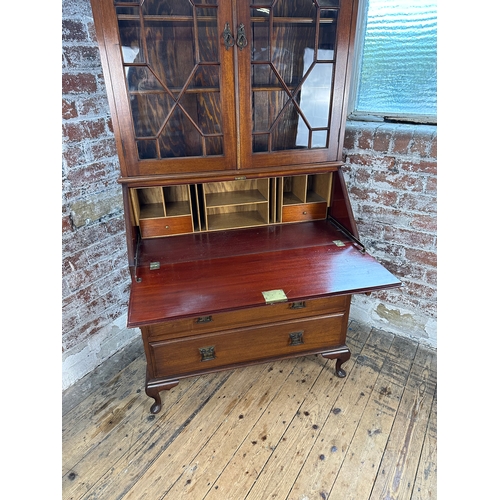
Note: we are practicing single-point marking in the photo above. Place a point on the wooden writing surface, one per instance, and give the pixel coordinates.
(220, 277)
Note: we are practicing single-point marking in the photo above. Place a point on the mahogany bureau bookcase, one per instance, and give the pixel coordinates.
(229, 120)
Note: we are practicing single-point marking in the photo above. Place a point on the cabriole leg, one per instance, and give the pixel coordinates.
(155, 394)
(341, 355)
(153, 391)
(342, 359)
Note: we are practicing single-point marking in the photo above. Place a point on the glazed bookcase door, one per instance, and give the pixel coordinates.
(293, 70)
(174, 84)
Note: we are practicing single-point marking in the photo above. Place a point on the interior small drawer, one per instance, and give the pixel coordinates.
(247, 317)
(304, 212)
(165, 226)
(196, 354)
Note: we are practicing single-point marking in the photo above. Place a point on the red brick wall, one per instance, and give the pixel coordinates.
(94, 267)
(391, 177)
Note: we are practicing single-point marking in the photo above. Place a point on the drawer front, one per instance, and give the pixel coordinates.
(306, 211)
(206, 352)
(247, 317)
(165, 226)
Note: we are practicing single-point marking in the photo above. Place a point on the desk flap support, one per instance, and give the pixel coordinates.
(346, 233)
(136, 259)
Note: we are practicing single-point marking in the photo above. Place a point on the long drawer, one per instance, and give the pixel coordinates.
(246, 317)
(196, 354)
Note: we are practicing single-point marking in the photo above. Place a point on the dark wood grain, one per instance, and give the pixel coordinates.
(221, 277)
(180, 357)
(266, 314)
(213, 245)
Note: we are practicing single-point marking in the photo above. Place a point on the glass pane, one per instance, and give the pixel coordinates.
(268, 106)
(283, 135)
(203, 103)
(316, 96)
(298, 9)
(171, 60)
(149, 111)
(264, 3)
(171, 51)
(263, 75)
(214, 146)
(260, 143)
(399, 69)
(130, 38)
(292, 96)
(319, 138)
(204, 111)
(205, 77)
(290, 63)
(261, 111)
(328, 3)
(207, 33)
(260, 34)
(147, 149)
(142, 78)
(327, 33)
(179, 137)
(167, 8)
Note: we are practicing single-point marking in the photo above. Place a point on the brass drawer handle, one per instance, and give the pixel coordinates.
(298, 305)
(204, 319)
(297, 338)
(207, 353)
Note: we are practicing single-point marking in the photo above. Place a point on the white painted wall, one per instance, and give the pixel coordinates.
(89, 354)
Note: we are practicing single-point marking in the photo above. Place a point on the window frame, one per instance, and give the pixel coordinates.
(352, 113)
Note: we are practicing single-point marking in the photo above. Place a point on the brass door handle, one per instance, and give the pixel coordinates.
(241, 39)
(227, 36)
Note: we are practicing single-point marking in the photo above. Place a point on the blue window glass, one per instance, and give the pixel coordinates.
(399, 58)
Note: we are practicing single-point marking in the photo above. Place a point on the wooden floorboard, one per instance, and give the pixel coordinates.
(287, 430)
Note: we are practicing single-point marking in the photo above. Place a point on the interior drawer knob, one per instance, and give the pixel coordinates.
(297, 338)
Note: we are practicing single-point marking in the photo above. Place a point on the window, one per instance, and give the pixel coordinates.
(396, 73)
